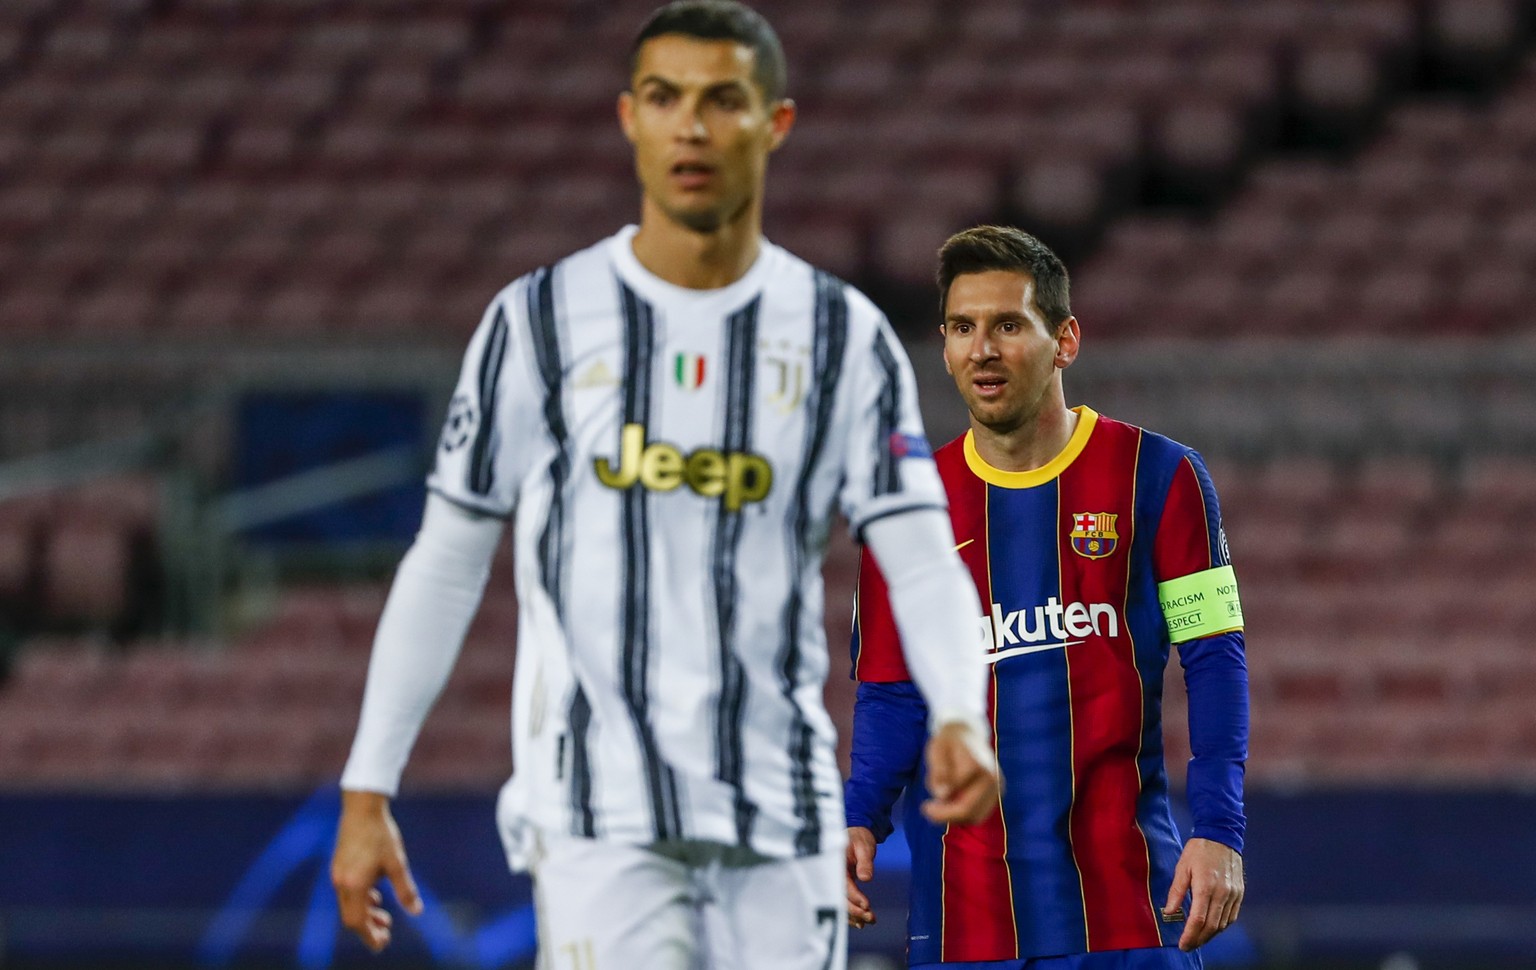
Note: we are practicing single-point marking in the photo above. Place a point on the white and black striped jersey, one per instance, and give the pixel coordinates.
(673, 460)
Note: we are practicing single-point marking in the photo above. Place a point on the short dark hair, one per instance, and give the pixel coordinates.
(721, 20)
(984, 248)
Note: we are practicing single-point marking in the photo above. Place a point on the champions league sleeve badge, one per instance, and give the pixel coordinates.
(910, 446)
(460, 424)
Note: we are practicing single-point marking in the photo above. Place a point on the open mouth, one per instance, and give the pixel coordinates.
(692, 174)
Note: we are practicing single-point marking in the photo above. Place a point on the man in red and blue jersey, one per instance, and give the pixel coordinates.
(1099, 547)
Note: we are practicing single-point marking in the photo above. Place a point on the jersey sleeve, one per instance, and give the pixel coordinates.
(889, 715)
(1190, 541)
(876, 645)
(888, 467)
(487, 433)
(431, 602)
(890, 725)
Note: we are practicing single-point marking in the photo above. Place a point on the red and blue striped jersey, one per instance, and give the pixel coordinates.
(1081, 856)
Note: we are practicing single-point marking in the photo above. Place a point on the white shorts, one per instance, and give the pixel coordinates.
(686, 906)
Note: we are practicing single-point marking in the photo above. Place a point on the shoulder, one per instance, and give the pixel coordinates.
(1172, 472)
(951, 453)
(859, 305)
(863, 314)
(551, 281)
(585, 267)
(950, 459)
(596, 258)
(1151, 444)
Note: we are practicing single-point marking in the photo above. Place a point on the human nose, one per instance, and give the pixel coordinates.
(690, 122)
(982, 348)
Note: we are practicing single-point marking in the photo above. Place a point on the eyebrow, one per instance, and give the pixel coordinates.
(1010, 316)
(733, 84)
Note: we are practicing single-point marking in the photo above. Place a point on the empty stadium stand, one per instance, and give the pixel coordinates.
(1386, 614)
(187, 170)
(191, 186)
(1427, 232)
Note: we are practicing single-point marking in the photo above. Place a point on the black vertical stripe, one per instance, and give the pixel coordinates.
(635, 626)
(481, 470)
(741, 366)
(543, 323)
(546, 350)
(583, 819)
(826, 365)
(887, 478)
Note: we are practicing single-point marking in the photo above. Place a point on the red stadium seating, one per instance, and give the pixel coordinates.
(1386, 615)
(263, 103)
(292, 173)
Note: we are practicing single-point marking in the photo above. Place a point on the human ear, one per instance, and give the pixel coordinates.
(1068, 342)
(781, 118)
(626, 110)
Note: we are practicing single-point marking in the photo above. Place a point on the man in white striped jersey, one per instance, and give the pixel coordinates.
(671, 419)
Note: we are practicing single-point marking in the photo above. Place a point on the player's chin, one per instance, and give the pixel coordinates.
(992, 413)
(697, 214)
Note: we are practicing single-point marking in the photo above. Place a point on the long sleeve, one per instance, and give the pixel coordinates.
(1191, 543)
(1216, 679)
(935, 606)
(889, 728)
(431, 603)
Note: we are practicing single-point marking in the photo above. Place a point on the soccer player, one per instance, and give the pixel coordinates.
(670, 419)
(1097, 547)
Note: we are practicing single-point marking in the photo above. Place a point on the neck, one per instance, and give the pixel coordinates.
(1032, 444)
(697, 260)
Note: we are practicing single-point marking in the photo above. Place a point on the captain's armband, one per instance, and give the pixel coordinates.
(1201, 604)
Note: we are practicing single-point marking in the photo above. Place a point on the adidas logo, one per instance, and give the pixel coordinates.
(598, 375)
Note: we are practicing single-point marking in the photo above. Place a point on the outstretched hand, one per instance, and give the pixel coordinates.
(962, 776)
(1212, 875)
(368, 847)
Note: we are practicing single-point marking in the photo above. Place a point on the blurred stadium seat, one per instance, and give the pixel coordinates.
(280, 175)
(1302, 236)
(169, 112)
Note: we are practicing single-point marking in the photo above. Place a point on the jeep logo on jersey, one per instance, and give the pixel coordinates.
(1047, 627)
(738, 477)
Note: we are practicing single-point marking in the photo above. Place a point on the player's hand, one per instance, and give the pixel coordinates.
(861, 868)
(962, 775)
(1212, 874)
(368, 846)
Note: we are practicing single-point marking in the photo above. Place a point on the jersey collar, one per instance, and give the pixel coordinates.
(1087, 417)
(653, 287)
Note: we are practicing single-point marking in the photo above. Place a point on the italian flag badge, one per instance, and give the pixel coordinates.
(688, 371)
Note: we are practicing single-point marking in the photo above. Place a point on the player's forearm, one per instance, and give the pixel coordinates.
(1216, 679)
(936, 609)
(435, 594)
(890, 722)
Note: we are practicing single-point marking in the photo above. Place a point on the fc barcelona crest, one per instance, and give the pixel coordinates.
(1094, 535)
